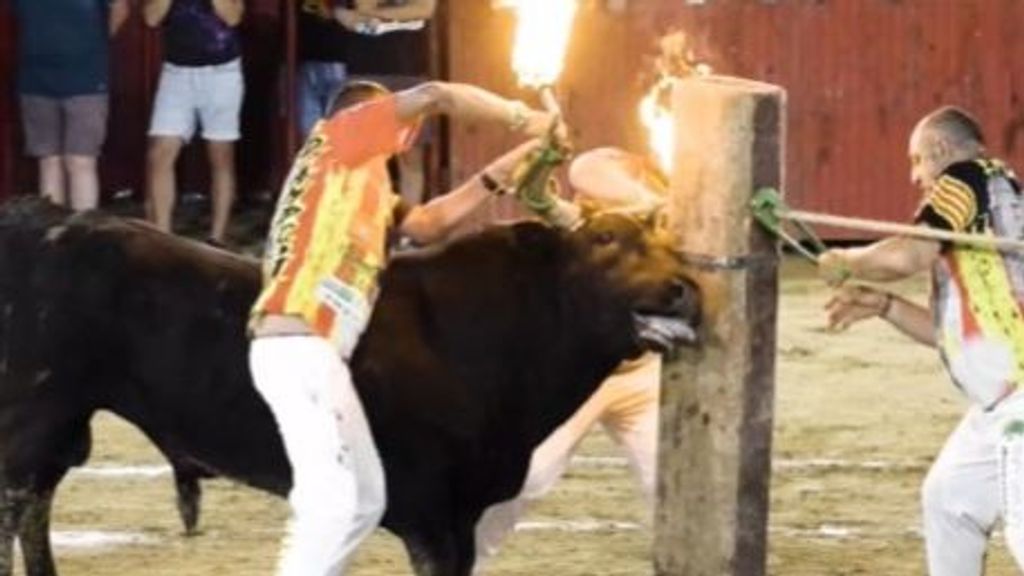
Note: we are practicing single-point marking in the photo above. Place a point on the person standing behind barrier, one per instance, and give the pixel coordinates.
(201, 80)
(322, 51)
(975, 323)
(63, 86)
(627, 403)
(390, 44)
(324, 253)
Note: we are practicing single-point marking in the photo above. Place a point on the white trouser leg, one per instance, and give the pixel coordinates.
(632, 420)
(338, 492)
(1011, 471)
(960, 498)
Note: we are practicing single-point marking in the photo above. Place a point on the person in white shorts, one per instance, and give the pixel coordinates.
(201, 83)
(626, 404)
(975, 323)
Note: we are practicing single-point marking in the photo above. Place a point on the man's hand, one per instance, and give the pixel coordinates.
(835, 267)
(505, 169)
(351, 19)
(539, 123)
(851, 304)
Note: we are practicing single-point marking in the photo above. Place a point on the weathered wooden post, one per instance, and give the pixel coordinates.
(717, 400)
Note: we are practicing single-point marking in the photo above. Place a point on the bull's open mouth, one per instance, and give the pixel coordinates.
(662, 333)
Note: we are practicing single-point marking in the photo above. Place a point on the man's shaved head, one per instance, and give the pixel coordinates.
(955, 124)
(942, 138)
(355, 92)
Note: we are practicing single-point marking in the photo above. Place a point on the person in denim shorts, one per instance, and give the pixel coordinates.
(202, 83)
(63, 91)
(390, 44)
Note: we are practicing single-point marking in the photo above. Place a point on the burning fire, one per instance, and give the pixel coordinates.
(542, 39)
(675, 62)
(656, 116)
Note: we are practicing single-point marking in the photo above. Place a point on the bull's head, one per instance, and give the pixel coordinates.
(640, 278)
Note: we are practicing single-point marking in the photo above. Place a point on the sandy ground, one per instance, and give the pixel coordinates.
(859, 418)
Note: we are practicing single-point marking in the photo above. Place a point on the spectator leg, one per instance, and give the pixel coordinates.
(163, 153)
(83, 182)
(51, 179)
(222, 166)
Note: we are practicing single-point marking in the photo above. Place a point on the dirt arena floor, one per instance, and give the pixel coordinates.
(859, 417)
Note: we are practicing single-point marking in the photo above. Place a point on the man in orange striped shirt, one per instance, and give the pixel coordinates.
(324, 253)
(976, 321)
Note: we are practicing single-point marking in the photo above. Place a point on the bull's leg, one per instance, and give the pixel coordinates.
(41, 452)
(430, 556)
(190, 494)
(34, 535)
(12, 508)
(465, 546)
(443, 552)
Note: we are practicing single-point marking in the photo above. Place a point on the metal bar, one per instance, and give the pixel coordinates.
(796, 245)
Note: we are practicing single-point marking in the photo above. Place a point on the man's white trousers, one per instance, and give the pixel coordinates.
(977, 479)
(338, 491)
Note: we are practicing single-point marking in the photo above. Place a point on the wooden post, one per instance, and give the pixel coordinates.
(716, 411)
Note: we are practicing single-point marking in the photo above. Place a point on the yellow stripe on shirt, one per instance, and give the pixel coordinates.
(955, 200)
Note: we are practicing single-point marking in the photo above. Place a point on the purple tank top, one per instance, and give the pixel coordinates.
(195, 36)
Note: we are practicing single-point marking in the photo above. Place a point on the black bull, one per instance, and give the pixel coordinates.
(475, 353)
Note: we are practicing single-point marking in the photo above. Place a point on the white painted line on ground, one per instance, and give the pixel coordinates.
(813, 464)
(822, 532)
(599, 461)
(819, 464)
(585, 525)
(97, 539)
(840, 532)
(783, 465)
(118, 471)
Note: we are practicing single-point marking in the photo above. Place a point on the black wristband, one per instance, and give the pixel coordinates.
(492, 185)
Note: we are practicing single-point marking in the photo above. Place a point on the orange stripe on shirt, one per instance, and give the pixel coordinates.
(285, 279)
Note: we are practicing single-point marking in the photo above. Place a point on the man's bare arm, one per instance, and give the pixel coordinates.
(853, 304)
(884, 261)
(117, 16)
(154, 11)
(912, 319)
(230, 11)
(467, 102)
(413, 10)
(435, 220)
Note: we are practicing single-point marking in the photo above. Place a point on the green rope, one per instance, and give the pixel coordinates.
(534, 185)
(768, 209)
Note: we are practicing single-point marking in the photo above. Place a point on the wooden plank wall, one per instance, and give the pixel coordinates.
(858, 72)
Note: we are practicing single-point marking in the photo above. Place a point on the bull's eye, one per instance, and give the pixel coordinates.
(604, 238)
